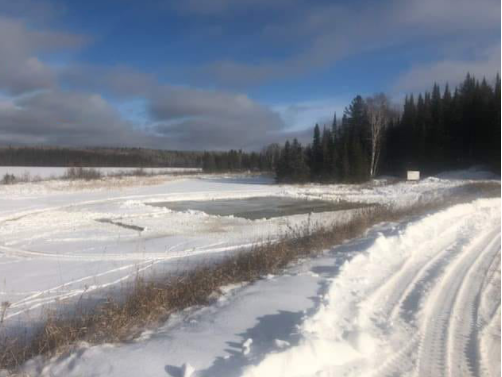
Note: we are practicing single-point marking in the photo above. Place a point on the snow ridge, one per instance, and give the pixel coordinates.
(407, 306)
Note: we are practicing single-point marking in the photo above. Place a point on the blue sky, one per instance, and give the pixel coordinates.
(201, 74)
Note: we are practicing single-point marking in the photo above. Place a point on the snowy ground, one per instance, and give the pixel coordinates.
(37, 173)
(419, 299)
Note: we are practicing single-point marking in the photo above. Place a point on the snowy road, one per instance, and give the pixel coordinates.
(421, 299)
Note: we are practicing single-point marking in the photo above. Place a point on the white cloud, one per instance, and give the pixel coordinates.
(199, 119)
(39, 111)
(55, 117)
(451, 71)
(325, 33)
(185, 117)
(304, 115)
(20, 68)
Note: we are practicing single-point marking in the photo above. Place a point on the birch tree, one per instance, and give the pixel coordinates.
(379, 114)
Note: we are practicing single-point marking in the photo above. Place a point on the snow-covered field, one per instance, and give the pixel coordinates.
(58, 172)
(418, 299)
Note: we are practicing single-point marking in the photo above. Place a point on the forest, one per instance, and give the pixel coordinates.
(97, 157)
(210, 161)
(237, 160)
(438, 130)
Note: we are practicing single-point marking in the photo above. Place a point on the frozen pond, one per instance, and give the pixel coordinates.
(258, 208)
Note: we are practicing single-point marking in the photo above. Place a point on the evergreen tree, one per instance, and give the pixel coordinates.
(334, 126)
(448, 118)
(407, 134)
(316, 160)
(300, 171)
(358, 141)
(326, 151)
(209, 163)
(283, 170)
(292, 166)
(435, 132)
(493, 133)
(343, 148)
(436, 138)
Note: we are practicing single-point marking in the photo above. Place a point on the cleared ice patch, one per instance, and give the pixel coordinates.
(258, 207)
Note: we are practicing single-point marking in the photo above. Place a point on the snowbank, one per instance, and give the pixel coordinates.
(376, 311)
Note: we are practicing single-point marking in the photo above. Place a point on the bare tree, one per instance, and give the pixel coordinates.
(380, 113)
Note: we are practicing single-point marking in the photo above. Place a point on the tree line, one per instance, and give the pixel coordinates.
(238, 161)
(441, 129)
(97, 157)
(445, 129)
(210, 161)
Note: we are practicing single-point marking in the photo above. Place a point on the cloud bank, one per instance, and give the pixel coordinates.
(452, 71)
(328, 32)
(76, 103)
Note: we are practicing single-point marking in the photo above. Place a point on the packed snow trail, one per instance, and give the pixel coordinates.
(421, 299)
(409, 306)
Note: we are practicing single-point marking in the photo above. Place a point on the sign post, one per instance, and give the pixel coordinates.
(413, 175)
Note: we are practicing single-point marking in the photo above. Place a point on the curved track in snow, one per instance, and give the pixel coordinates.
(445, 333)
(420, 303)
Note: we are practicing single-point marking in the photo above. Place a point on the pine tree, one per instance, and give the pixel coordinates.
(327, 155)
(467, 103)
(494, 132)
(434, 133)
(283, 170)
(209, 163)
(300, 172)
(436, 137)
(358, 141)
(448, 118)
(343, 150)
(316, 159)
(334, 153)
(408, 133)
(334, 126)
(481, 130)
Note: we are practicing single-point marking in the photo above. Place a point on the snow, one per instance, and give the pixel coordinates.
(246, 346)
(474, 173)
(421, 298)
(187, 370)
(39, 172)
(404, 306)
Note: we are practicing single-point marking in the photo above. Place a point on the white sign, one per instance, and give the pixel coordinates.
(413, 175)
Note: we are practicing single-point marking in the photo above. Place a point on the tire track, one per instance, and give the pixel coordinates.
(449, 335)
(449, 311)
(464, 333)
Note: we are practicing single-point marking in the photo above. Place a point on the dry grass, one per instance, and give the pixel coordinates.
(106, 182)
(92, 176)
(80, 173)
(150, 303)
(11, 179)
(89, 174)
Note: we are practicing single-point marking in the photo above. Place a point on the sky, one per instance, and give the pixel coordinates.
(221, 74)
